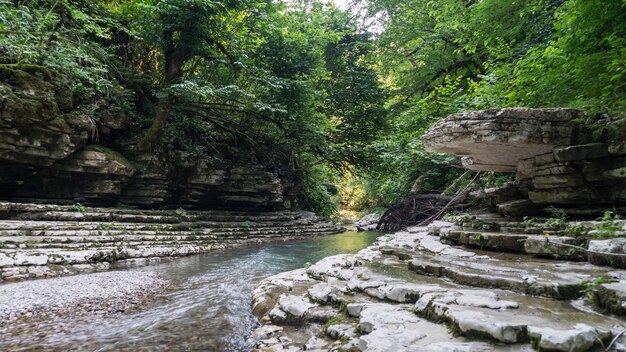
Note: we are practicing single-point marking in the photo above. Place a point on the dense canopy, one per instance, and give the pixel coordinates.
(329, 97)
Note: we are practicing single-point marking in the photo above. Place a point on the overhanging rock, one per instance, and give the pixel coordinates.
(557, 160)
(497, 139)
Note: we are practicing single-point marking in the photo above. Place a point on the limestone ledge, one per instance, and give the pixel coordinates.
(38, 241)
(377, 301)
(557, 160)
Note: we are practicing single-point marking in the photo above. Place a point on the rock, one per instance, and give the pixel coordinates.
(509, 191)
(327, 291)
(391, 338)
(6, 261)
(330, 266)
(581, 152)
(472, 322)
(611, 297)
(515, 133)
(377, 289)
(315, 344)
(33, 132)
(354, 309)
(381, 315)
(96, 174)
(532, 278)
(368, 222)
(556, 160)
(407, 292)
(53, 240)
(610, 252)
(457, 347)
(582, 338)
(517, 208)
(295, 305)
(499, 241)
(320, 292)
(338, 331)
(435, 227)
(558, 247)
(278, 316)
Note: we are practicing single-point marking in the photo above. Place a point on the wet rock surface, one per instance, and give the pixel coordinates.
(412, 292)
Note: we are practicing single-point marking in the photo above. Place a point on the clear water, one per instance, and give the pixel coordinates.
(209, 309)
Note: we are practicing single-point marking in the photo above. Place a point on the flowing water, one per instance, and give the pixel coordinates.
(209, 307)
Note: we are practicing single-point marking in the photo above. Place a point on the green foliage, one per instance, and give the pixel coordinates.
(303, 88)
(78, 207)
(442, 57)
(610, 226)
(64, 37)
(589, 287)
(557, 222)
(315, 196)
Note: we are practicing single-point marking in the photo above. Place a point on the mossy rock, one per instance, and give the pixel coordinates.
(112, 155)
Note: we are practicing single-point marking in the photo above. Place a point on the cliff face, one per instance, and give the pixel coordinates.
(49, 151)
(558, 160)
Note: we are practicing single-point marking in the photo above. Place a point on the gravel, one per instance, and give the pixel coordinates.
(101, 294)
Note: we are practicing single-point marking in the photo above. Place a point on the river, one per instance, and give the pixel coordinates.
(208, 308)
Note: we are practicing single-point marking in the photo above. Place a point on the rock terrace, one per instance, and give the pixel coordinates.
(49, 240)
(411, 291)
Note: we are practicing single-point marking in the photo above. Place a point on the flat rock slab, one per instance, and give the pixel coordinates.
(515, 133)
(611, 252)
(387, 307)
(508, 242)
(611, 297)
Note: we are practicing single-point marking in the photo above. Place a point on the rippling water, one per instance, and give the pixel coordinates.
(209, 309)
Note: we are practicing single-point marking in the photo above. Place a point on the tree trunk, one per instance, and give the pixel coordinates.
(155, 132)
(174, 60)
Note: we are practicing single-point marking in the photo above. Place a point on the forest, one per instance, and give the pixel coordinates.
(333, 99)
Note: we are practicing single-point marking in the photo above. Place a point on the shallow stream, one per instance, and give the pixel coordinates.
(208, 308)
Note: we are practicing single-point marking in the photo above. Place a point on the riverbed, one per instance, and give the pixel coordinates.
(205, 308)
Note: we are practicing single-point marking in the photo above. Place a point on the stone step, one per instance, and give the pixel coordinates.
(498, 241)
(7, 234)
(395, 309)
(50, 240)
(48, 212)
(18, 225)
(496, 315)
(110, 251)
(549, 246)
(153, 236)
(473, 267)
(145, 218)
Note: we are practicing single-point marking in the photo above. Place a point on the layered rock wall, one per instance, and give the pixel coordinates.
(45, 240)
(558, 159)
(48, 153)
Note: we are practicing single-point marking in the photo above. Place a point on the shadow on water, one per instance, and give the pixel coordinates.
(209, 308)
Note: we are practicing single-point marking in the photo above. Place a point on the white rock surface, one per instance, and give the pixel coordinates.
(295, 305)
(581, 338)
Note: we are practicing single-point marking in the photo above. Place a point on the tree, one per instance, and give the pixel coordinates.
(182, 30)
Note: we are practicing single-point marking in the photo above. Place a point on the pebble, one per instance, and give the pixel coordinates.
(32, 307)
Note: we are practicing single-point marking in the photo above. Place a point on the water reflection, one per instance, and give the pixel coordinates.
(210, 308)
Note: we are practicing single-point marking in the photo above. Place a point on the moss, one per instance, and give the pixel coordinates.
(31, 69)
(392, 271)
